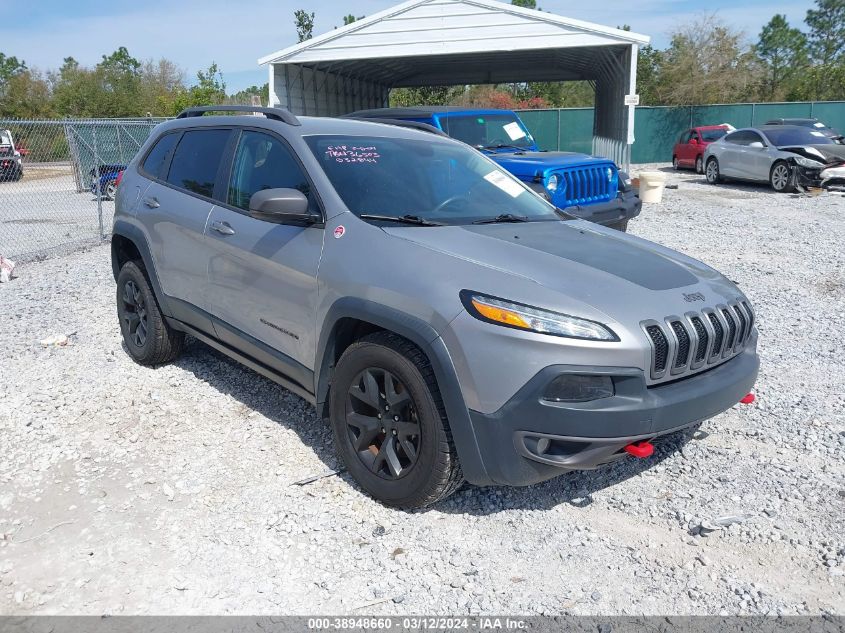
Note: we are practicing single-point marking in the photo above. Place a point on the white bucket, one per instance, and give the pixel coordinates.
(651, 186)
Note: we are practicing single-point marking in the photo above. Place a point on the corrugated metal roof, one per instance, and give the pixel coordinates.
(421, 28)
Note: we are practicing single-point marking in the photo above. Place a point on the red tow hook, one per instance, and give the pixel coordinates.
(748, 398)
(640, 449)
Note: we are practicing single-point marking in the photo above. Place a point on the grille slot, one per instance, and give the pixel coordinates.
(661, 347)
(743, 323)
(703, 339)
(718, 334)
(731, 329)
(680, 331)
(750, 317)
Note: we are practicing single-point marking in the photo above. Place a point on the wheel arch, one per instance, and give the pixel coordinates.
(350, 318)
(128, 243)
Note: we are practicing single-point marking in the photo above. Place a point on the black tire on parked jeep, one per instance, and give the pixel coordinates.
(712, 171)
(781, 177)
(622, 225)
(148, 338)
(389, 423)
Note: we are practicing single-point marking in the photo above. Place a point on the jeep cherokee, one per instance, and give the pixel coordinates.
(448, 322)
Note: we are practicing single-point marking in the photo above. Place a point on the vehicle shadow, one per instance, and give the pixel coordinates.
(283, 407)
(259, 394)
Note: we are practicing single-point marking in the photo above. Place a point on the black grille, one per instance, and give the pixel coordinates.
(731, 329)
(683, 343)
(661, 347)
(703, 339)
(718, 333)
(743, 323)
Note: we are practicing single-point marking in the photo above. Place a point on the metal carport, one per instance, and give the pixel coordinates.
(455, 42)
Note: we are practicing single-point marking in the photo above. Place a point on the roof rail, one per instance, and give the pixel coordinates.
(414, 125)
(277, 114)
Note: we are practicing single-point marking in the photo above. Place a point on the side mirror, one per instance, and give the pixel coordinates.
(756, 145)
(282, 206)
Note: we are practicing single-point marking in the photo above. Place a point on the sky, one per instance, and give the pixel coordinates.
(193, 33)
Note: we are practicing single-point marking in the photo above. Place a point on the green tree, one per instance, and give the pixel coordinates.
(527, 4)
(244, 97)
(27, 96)
(349, 19)
(118, 76)
(783, 50)
(304, 22)
(428, 95)
(75, 90)
(827, 31)
(210, 89)
(9, 67)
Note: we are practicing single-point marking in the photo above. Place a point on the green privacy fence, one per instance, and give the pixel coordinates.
(657, 128)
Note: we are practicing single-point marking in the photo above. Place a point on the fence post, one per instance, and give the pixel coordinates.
(99, 184)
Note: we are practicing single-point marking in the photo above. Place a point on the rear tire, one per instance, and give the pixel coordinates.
(781, 178)
(148, 338)
(699, 165)
(404, 456)
(712, 172)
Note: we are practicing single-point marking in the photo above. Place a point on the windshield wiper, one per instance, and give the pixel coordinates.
(404, 219)
(503, 217)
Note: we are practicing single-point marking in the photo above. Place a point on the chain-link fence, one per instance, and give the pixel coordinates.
(57, 181)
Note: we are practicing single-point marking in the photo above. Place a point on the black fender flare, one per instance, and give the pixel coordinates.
(132, 233)
(429, 341)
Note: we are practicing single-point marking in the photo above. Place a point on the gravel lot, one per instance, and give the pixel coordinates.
(171, 490)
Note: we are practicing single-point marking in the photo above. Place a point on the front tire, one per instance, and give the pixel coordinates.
(148, 338)
(111, 189)
(675, 164)
(780, 178)
(712, 172)
(389, 423)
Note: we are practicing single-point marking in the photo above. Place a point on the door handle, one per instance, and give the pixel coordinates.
(152, 203)
(223, 228)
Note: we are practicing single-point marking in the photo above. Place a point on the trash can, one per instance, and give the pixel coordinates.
(651, 186)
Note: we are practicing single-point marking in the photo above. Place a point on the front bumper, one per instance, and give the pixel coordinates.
(583, 436)
(625, 206)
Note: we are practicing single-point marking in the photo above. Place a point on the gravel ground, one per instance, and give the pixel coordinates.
(125, 489)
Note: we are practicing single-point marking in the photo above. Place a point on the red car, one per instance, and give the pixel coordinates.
(689, 150)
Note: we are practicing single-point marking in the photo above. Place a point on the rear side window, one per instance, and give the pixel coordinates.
(157, 158)
(264, 162)
(196, 160)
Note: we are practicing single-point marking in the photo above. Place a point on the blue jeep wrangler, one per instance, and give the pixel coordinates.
(588, 187)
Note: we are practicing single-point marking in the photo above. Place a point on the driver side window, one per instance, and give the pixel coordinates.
(264, 162)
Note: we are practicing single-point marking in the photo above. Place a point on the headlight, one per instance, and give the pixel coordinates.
(609, 174)
(808, 162)
(553, 183)
(522, 317)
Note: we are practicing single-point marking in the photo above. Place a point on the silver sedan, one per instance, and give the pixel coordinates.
(785, 156)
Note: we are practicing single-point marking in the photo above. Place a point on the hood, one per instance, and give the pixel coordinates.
(830, 153)
(530, 164)
(584, 262)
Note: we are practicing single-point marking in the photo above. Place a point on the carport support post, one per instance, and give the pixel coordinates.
(97, 180)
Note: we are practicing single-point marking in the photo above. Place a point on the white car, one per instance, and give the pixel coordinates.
(785, 156)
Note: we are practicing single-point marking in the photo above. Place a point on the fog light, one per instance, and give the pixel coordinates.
(579, 388)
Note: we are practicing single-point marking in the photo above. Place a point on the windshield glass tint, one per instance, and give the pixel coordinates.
(488, 130)
(439, 181)
(797, 136)
(712, 135)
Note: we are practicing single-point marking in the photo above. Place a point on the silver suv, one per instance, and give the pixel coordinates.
(450, 323)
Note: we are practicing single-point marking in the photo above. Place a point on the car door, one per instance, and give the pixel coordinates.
(730, 154)
(263, 275)
(761, 159)
(686, 155)
(184, 169)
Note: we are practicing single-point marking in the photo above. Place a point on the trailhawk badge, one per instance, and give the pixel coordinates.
(693, 296)
(339, 232)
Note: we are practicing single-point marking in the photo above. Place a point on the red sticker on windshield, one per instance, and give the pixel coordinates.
(339, 232)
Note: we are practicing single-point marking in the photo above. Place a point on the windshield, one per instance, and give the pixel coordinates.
(431, 180)
(713, 135)
(797, 136)
(488, 131)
